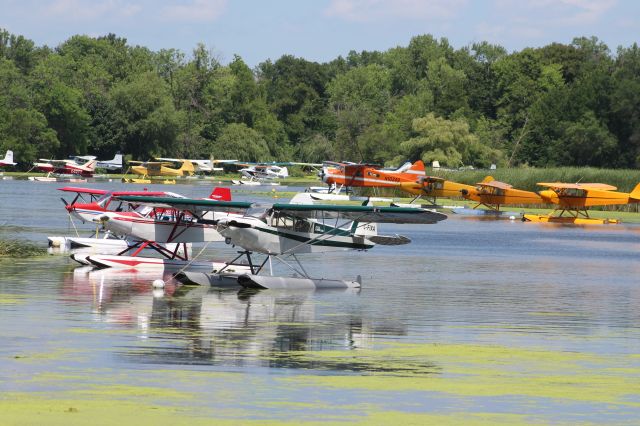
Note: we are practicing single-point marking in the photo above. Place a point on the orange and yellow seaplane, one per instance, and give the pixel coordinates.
(492, 194)
(369, 175)
(574, 199)
(433, 187)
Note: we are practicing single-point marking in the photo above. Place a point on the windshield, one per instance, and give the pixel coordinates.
(104, 200)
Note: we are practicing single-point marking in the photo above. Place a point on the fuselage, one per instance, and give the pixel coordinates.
(284, 234)
(581, 198)
(436, 188)
(367, 176)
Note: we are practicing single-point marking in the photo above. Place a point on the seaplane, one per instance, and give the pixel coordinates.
(84, 166)
(278, 231)
(90, 202)
(493, 194)
(147, 169)
(573, 200)
(432, 187)
(263, 171)
(114, 164)
(341, 176)
(201, 166)
(166, 231)
(8, 159)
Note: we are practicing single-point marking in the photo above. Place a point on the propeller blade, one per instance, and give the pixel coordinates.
(64, 201)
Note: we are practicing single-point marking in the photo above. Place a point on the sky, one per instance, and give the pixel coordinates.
(321, 30)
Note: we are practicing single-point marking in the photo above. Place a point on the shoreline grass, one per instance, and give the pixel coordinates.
(17, 248)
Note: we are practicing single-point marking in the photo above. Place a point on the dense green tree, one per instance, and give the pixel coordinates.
(560, 104)
(242, 143)
(448, 141)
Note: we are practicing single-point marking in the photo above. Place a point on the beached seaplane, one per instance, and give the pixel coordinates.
(146, 169)
(493, 194)
(281, 231)
(573, 199)
(8, 159)
(84, 166)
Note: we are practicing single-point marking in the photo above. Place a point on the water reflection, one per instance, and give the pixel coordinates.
(246, 328)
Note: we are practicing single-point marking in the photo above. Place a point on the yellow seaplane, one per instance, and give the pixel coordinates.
(574, 199)
(147, 169)
(433, 187)
(492, 194)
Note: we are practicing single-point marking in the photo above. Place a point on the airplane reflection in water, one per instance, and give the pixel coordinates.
(202, 325)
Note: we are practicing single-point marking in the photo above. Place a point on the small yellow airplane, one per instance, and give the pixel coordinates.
(432, 187)
(575, 198)
(158, 168)
(493, 194)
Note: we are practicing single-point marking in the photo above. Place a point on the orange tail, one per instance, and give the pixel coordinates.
(220, 194)
(418, 166)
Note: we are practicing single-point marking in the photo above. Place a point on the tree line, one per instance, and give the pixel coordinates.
(572, 104)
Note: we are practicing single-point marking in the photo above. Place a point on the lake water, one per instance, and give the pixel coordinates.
(474, 322)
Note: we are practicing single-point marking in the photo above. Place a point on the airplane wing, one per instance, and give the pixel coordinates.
(560, 185)
(170, 159)
(495, 184)
(188, 204)
(363, 213)
(224, 161)
(79, 190)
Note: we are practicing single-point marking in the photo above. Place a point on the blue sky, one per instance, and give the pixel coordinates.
(320, 30)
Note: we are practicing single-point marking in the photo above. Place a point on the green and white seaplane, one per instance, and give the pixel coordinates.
(283, 231)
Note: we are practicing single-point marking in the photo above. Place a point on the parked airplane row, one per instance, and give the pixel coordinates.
(570, 200)
(167, 223)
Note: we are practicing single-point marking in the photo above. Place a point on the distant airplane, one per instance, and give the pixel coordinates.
(8, 159)
(204, 166)
(160, 168)
(114, 164)
(260, 171)
(86, 169)
(493, 194)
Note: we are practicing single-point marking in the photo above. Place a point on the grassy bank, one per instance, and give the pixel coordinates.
(17, 248)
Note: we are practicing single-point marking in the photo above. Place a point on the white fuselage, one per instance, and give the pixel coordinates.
(158, 230)
(298, 236)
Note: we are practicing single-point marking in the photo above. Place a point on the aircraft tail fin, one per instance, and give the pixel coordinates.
(91, 165)
(117, 159)
(635, 194)
(220, 194)
(488, 179)
(187, 168)
(418, 166)
(8, 157)
(284, 172)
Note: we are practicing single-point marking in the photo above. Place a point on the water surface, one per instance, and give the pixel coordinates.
(481, 322)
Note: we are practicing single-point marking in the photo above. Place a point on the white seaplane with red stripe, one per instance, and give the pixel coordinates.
(166, 231)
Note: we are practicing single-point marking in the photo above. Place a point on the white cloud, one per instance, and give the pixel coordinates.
(73, 10)
(195, 10)
(372, 10)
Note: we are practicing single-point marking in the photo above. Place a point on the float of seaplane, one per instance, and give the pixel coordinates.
(278, 232)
